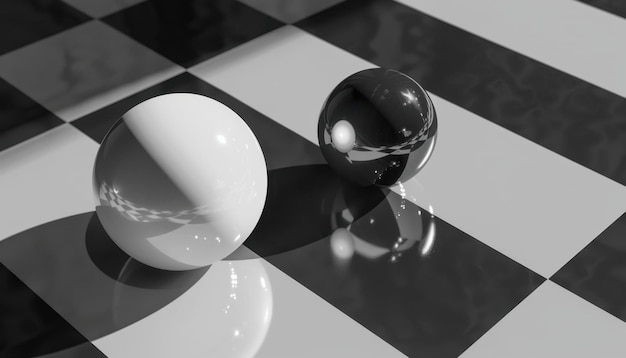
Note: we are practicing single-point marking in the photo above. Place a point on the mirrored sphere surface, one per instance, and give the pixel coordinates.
(180, 181)
(377, 127)
(394, 229)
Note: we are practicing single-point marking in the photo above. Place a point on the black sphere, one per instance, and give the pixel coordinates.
(377, 127)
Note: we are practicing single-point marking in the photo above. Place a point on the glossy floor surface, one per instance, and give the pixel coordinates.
(509, 243)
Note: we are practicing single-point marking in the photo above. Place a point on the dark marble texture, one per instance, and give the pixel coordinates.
(558, 111)
(281, 147)
(29, 327)
(26, 21)
(432, 305)
(377, 127)
(190, 31)
(598, 272)
(21, 118)
(617, 7)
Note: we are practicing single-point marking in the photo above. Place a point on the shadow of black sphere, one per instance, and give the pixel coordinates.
(301, 205)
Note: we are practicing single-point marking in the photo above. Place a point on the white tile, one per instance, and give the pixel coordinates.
(569, 35)
(46, 178)
(290, 11)
(553, 322)
(521, 199)
(73, 75)
(261, 312)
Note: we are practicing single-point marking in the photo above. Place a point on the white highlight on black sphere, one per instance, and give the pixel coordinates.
(343, 136)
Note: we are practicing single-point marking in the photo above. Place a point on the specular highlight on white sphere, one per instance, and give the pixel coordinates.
(180, 181)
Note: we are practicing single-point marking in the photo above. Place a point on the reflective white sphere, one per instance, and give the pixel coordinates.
(180, 181)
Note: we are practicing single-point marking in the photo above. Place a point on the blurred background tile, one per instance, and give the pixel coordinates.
(190, 31)
(87, 67)
(22, 118)
(28, 21)
(99, 8)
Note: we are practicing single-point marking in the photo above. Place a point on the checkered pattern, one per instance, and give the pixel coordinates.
(130, 211)
(526, 251)
(365, 153)
(382, 151)
(361, 153)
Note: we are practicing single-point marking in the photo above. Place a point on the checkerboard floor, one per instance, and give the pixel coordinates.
(518, 220)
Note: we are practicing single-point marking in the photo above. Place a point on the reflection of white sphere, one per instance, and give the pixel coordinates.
(180, 181)
(343, 136)
(227, 313)
(342, 243)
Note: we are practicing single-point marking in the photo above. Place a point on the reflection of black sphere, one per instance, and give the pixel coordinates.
(388, 229)
(393, 228)
(378, 126)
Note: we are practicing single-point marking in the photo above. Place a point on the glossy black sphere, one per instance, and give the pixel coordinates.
(377, 127)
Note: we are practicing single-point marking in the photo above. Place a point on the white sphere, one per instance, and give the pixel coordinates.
(180, 181)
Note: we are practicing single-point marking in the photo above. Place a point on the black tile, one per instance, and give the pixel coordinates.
(565, 114)
(598, 272)
(190, 31)
(29, 327)
(21, 118)
(26, 21)
(423, 286)
(617, 7)
(281, 146)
